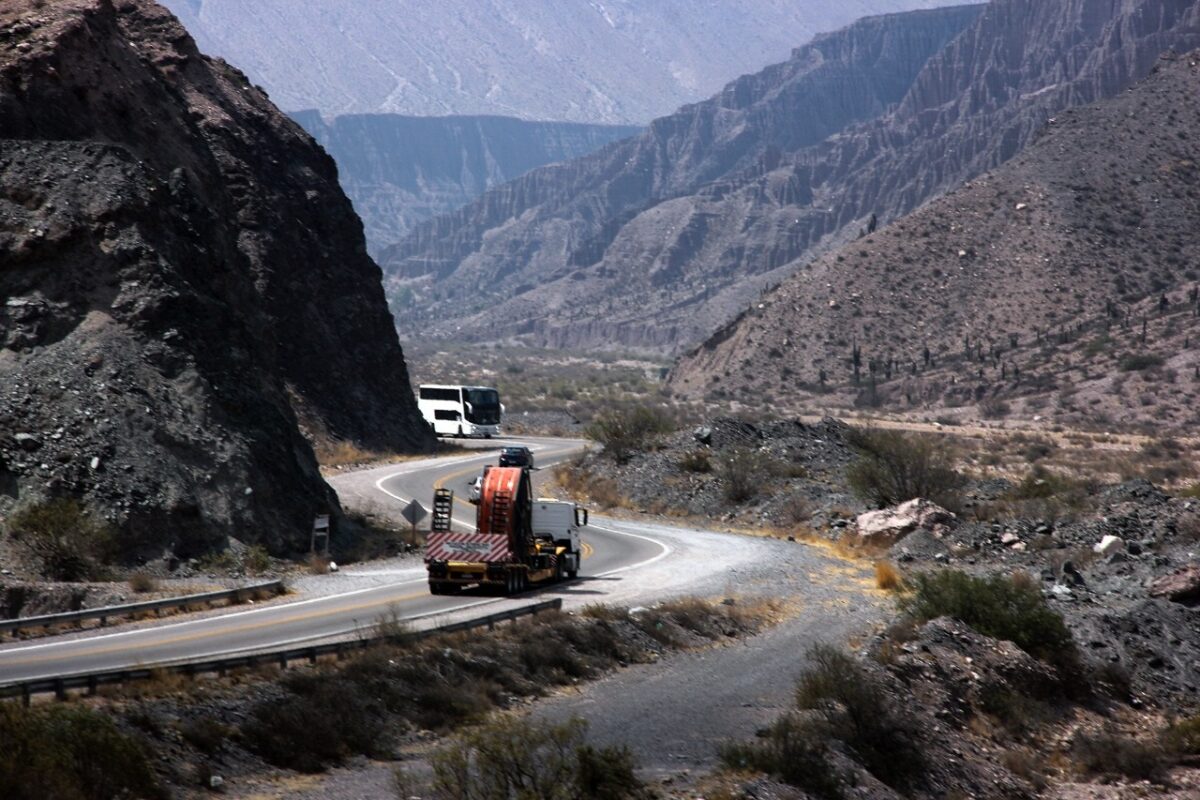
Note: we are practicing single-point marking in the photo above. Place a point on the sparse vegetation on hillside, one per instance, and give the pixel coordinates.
(68, 542)
(837, 700)
(1003, 607)
(894, 466)
(70, 753)
(625, 431)
(519, 758)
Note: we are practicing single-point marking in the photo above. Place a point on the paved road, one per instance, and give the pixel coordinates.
(613, 552)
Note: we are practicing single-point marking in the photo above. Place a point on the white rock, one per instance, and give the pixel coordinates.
(333, 567)
(1009, 538)
(1109, 544)
(887, 526)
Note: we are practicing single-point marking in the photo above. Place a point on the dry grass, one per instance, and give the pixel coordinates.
(141, 583)
(343, 453)
(888, 577)
(318, 564)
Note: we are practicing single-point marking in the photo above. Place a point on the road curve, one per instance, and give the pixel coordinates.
(614, 552)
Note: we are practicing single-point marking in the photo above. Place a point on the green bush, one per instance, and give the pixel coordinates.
(841, 701)
(1002, 607)
(857, 711)
(324, 720)
(794, 750)
(893, 467)
(69, 543)
(1111, 753)
(744, 473)
(1184, 737)
(519, 759)
(626, 431)
(70, 753)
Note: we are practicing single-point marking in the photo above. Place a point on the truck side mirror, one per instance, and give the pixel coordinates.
(581, 517)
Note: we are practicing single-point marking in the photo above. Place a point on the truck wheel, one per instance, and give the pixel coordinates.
(573, 572)
(436, 588)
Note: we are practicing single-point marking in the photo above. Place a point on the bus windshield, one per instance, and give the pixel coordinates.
(484, 408)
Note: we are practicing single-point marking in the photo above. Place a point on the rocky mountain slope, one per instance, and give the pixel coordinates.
(400, 170)
(616, 61)
(655, 244)
(185, 286)
(590, 252)
(1072, 264)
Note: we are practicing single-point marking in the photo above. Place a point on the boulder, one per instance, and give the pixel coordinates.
(887, 526)
(1109, 544)
(1182, 585)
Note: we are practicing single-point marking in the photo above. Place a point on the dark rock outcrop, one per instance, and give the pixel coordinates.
(400, 170)
(682, 227)
(185, 286)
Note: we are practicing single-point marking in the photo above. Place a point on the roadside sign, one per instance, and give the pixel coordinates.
(414, 512)
(320, 529)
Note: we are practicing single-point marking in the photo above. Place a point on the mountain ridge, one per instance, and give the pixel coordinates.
(603, 61)
(671, 265)
(400, 170)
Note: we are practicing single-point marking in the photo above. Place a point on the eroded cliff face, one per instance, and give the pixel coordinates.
(185, 287)
(1029, 280)
(640, 233)
(400, 171)
(678, 230)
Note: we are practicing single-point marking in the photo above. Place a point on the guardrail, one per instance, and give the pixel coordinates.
(103, 613)
(92, 681)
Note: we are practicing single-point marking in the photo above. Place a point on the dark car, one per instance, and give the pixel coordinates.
(516, 457)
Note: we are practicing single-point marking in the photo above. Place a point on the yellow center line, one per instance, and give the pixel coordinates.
(220, 631)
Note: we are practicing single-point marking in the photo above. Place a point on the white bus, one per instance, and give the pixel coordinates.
(461, 410)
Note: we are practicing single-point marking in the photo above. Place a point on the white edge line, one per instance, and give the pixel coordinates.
(215, 618)
(666, 551)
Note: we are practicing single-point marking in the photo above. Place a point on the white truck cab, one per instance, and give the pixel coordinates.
(560, 521)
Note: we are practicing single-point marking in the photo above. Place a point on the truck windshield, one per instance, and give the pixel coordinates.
(485, 406)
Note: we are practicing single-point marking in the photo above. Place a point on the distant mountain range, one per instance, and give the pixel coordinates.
(655, 241)
(596, 61)
(400, 170)
(1063, 283)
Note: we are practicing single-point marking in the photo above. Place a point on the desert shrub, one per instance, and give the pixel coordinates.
(743, 473)
(323, 721)
(142, 582)
(1016, 711)
(70, 753)
(855, 707)
(796, 508)
(893, 467)
(69, 542)
(626, 431)
(256, 560)
(1135, 362)
(838, 700)
(1108, 752)
(205, 734)
(514, 759)
(994, 408)
(1002, 607)
(795, 751)
(1041, 483)
(1183, 737)
(697, 460)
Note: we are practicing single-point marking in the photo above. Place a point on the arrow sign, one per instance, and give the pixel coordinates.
(414, 512)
